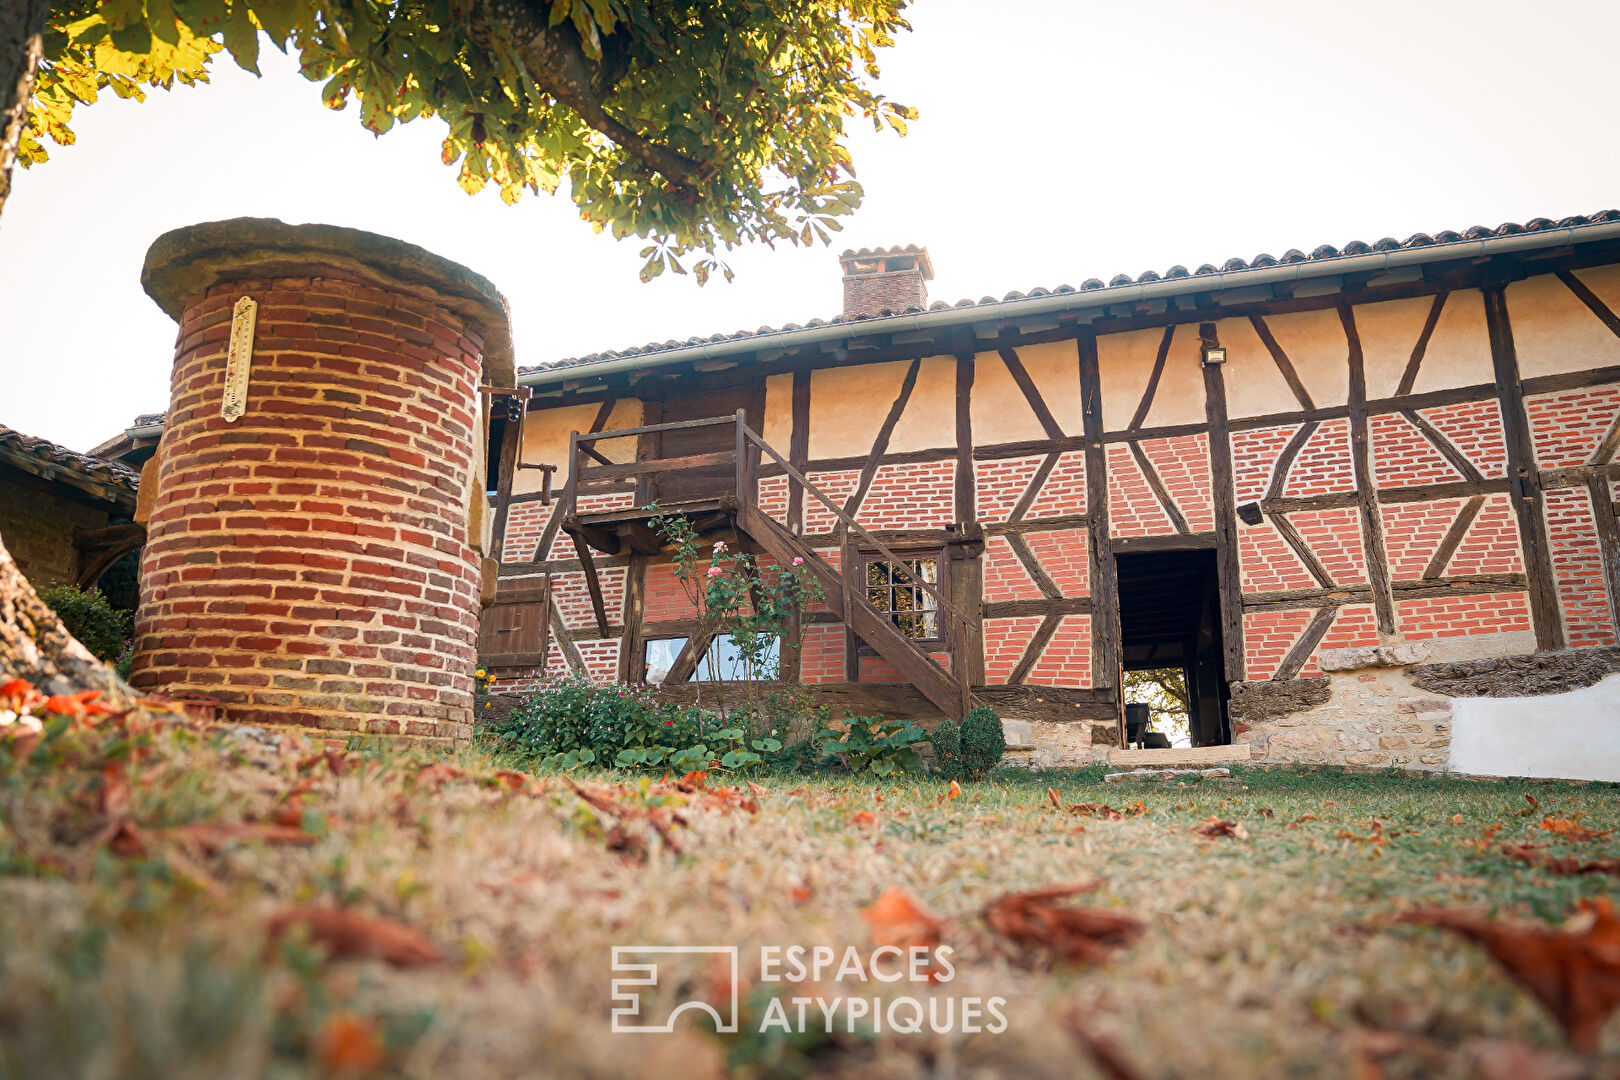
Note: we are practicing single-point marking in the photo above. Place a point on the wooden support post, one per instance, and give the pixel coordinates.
(965, 510)
(1228, 568)
(632, 647)
(966, 582)
(1105, 629)
(649, 447)
(1525, 482)
(1372, 518)
(849, 563)
(1608, 531)
(593, 582)
(799, 450)
(506, 468)
(744, 496)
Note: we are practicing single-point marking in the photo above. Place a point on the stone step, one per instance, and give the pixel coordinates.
(1178, 757)
(1166, 774)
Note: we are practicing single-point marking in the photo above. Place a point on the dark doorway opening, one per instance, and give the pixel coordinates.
(1170, 620)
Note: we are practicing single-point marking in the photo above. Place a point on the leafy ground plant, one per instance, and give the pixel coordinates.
(186, 900)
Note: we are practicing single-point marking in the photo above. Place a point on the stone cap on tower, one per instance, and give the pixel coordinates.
(885, 281)
(183, 264)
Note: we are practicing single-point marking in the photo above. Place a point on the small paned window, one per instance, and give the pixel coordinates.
(893, 589)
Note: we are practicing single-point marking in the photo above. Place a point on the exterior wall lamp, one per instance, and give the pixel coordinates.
(1214, 354)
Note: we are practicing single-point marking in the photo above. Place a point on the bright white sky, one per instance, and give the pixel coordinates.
(1059, 140)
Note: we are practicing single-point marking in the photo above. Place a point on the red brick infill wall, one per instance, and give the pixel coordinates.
(310, 563)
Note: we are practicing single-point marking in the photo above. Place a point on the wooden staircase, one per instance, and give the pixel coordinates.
(613, 532)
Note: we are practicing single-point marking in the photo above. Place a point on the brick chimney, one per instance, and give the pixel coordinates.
(885, 281)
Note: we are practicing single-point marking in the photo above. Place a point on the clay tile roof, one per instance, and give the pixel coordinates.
(1292, 256)
(102, 470)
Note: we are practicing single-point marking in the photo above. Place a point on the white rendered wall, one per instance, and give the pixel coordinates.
(1572, 736)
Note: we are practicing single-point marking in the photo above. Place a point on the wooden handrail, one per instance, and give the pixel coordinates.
(745, 435)
(849, 522)
(648, 429)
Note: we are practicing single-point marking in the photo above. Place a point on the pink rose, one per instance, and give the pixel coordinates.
(715, 571)
(798, 561)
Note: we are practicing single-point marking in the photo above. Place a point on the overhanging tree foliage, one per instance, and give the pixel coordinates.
(698, 125)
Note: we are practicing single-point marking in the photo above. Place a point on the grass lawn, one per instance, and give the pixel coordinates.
(138, 947)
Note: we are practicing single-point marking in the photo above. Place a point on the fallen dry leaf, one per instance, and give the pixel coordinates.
(512, 779)
(1570, 829)
(435, 776)
(289, 813)
(864, 819)
(349, 1043)
(896, 919)
(1297, 822)
(1037, 922)
(1213, 827)
(115, 794)
(209, 837)
(1574, 971)
(1457, 879)
(1528, 853)
(347, 935)
(950, 793)
(1103, 1051)
(1266, 812)
(1532, 808)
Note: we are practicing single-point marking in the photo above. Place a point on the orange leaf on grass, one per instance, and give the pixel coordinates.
(115, 795)
(211, 837)
(1569, 829)
(898, 920)
(1213, 827)
(349, 1043)
(1528, 853)
(864, 818)
(1104, 1052)
(512, 779)
(19, 695)
(435, 776)
(1574, 971)
(347, 935)
(80, 706)
(1036, 921)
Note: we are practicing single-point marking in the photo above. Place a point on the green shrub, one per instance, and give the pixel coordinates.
(947, 743)
(983, 742)
(89, 617)
(567, 721)
(873, 744)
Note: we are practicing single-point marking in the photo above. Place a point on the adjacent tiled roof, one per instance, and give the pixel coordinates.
(148, 419)
(1292, 255)
(93, 468)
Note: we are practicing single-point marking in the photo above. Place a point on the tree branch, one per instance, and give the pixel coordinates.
(556, 61)
(22, 27)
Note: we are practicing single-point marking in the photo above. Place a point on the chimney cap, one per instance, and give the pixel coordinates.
(887, 259)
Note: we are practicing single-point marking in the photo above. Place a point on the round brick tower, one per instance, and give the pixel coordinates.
(314, 560)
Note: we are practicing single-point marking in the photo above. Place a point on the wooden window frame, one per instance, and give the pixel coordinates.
(941, 559)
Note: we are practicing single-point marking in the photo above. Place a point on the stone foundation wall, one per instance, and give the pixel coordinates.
(1370, 719)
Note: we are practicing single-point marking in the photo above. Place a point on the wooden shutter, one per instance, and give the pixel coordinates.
(514, 630)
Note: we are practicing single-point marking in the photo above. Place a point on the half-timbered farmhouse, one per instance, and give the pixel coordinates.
(1364, 497)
